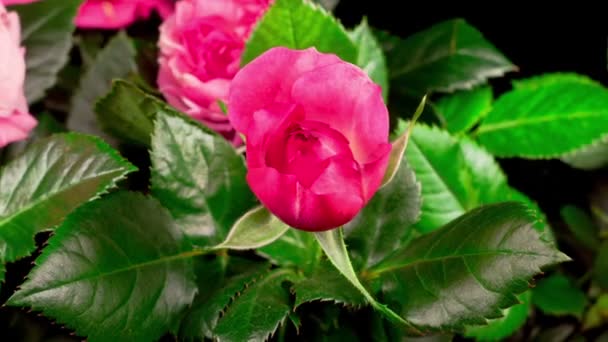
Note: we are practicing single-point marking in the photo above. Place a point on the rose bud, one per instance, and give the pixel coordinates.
(316, 131)
(15, 120)
(200, 52)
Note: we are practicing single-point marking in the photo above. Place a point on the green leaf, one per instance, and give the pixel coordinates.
(572, 110)
(52, 178)
(294, 248)
(449, 56)
(215, 292)
(589, 157)
(46, 33)
(333, 245)
(326, 284)
(469, 270)
(199, 177)
(255, 229)
(370, 57)
(456, 176)
(597, 315)
(462, 110)
(382, 225)
(299, 24)
(115, 60)
(499, 329)
(258, 311)
(582, 226)
(400, 144)
(557, 295)
(600, 267)
(116, 269)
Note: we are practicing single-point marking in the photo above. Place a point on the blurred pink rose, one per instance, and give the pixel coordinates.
(200, 50)
(116, 14)
(316, 129)
(15, 120)
(112, 14)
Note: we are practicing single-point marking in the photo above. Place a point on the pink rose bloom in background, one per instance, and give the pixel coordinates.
(16, 2)
(15, 120)
(117, 14)
(316, 130)
(200, 52)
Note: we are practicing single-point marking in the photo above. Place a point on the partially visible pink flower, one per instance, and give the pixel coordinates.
(200, 52)
(316, 129)
(16, 2)
(15, 120)
(116, 14)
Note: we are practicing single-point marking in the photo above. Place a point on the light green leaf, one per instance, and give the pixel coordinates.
(497, 329)
(589, 157)
(52, 178)
(400, 144)
(557, 295)
(255, 229)
(370, 57)
(216, 291)
(448, 56)
(382, 225)
(299, 24)
(597, 315)
(469, 270)
(116, 269)
(46, 32)
(582, 226)
(257, 313)
(326, 284)
(572, 110)
(456, 176)
(115, 60)
(333, 245)
(294, 248)
(462, 110)
(199, 177)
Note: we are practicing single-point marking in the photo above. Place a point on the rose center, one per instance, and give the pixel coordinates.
(305, 149)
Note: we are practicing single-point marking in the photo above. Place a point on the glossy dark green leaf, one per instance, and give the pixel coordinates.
(258, 311)
(572, 110)
(582, 226)
(294, 248)
(469, 270)
(115, 60)
(46, 33)
(199, 177)
(257, 228)
(117, 269)
(501, 328)
(456, 176)
(558, 295)
(462, 110)
(327, 284)
(52, 178)
(299, 24)
(448, 56)
(382, 225)
(216, 288)
(128, 113)
(370, 57)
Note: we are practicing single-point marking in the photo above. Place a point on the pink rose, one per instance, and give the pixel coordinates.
(316, 130)
(15, 120)
(116, 14)
(200, 50)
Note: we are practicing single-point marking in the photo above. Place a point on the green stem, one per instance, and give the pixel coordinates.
(332, 243)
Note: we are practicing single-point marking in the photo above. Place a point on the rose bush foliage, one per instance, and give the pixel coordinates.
(259, 172)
